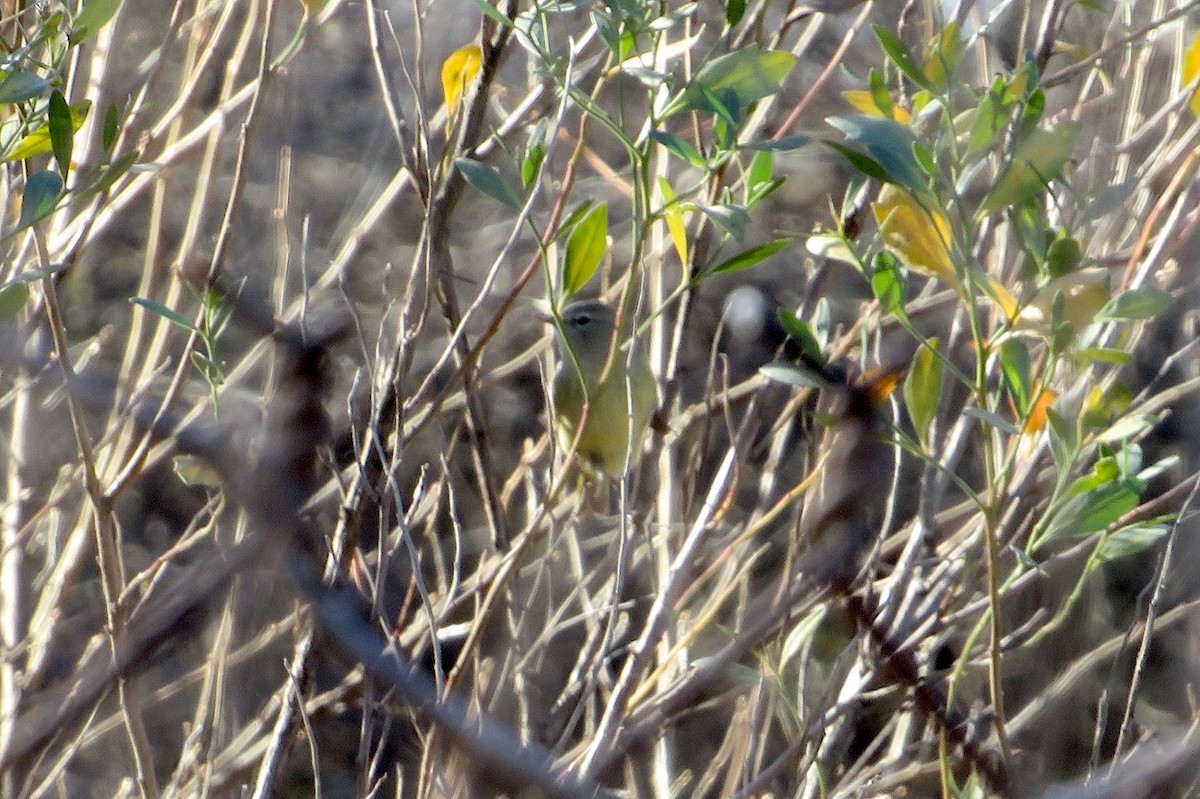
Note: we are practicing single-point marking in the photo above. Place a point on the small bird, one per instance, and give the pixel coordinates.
(618, 398)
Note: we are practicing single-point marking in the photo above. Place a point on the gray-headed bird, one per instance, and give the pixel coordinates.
(614, 401)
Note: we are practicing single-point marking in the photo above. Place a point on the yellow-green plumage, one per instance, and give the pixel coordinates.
(612, 418)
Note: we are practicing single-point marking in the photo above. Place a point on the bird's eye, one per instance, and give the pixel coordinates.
(583, 320)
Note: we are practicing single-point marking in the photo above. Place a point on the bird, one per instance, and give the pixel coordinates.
(614, 400)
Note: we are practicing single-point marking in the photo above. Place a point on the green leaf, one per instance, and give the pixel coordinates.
(734, 11)
(992, 419)
(41, 195)
(925, 158)
(1154, 470)
(488, 180)
(12, 299)
(1128, 427)
(112, 127)
(750, 257)
(760, 170)
(95, 15)
(62, 132)
(1104, 355)
(573, 218)
(212, 371)
(679, 147)
(1037, 161)
(585, 250)
(727, 116)
(758, 183)
(740, 77)
(990, 117)
(801, 634)
(21, 86)
(800, 333)
(1031, 114)
(1140, 303)
(1018, 373)
(1107, 470)
(38, 142)
(605, 26)
(899, 54)
(1063, 440)
(1130, 541)
(880, 96)
(1063, 255)
(731, 218)
(862, 162)
(1108, 200)
(944, 56)
(1094, 510)
(531, 164)
(792, 375)
(923, 389)
(628, 40)
(889, 143)
(778, 145)
(887, 283)
(762, 191)
(158, 309)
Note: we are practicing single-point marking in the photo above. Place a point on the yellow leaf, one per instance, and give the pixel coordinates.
(1084, 293)
(919, 236)
(1191, 68)
(38, 142)
(458, 72)
(944, 56)
(1006, 301)
(862, 101)
(673, 215)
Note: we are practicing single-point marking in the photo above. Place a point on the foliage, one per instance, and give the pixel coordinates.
(910, 507)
